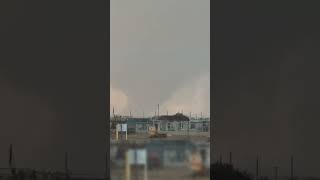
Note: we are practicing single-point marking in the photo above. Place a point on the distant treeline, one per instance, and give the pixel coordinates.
(224, 171)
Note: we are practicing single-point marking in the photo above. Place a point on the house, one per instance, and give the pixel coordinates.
(169, 123)
(181, 124)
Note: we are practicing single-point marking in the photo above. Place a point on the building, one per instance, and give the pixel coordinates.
(181, 124)
(138, 125)
(170, 123)
(200, 125)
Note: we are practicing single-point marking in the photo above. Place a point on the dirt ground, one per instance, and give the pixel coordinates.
(158, 174)
(142, 138)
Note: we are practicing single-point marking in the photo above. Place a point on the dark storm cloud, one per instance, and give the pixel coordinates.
(53, 84)
(266, 90)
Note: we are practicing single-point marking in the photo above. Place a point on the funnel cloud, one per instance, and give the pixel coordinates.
(193, 96)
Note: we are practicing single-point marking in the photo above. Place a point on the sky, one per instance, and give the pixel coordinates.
(160, 54)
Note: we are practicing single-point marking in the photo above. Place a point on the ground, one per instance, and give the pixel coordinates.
(158, 174)
(141, 138)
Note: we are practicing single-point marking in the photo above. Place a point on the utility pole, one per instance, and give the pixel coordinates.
(189, 126)
(121, 130)
(276, 168)
(188, 129)
(107, 166)
(11, 161)
(66, 165)
(291, 167)
(257, 168)
(158, 111)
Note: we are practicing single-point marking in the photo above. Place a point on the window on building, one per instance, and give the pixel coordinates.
(163, 126)
(142, 127)
(178, 125)
(186, 125)
(193, 126)
(170, 126)
(170, 156)
(181, 125)
(205, 126)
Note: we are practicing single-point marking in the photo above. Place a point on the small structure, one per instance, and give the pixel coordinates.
(138, 125)
(121, 128)
(200, 125)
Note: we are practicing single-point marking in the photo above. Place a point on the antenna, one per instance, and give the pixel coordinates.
(158, 111)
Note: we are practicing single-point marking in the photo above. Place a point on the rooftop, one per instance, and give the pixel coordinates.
(176, 117)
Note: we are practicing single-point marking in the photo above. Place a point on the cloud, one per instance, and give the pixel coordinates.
(192, 97)
(118, 100)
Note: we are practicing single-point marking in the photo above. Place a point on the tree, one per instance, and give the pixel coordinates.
(227, 172)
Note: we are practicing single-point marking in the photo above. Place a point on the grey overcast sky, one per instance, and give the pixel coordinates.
(160, 54)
